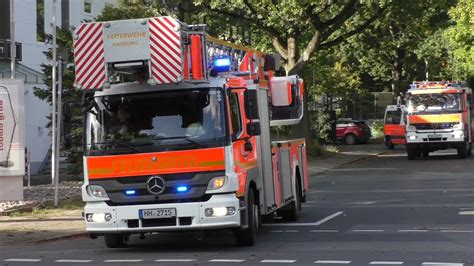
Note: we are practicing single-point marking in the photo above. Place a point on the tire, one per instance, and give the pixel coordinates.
(294, 209)
(411, 152)
(425, 153)
(350, 139)
(463, 151)
(389, 144)
(418, 152)
(248, 236)
(116, 241)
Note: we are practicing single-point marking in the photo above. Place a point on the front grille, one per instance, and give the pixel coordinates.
(434, 126)
(196, 183)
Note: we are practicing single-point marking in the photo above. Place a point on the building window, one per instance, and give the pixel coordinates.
(40, 34)
(88, 7)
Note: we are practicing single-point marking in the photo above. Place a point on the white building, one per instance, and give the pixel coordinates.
(32, 19)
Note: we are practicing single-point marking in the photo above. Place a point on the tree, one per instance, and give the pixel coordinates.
(297, 29)
(398, 48)
(460, 39)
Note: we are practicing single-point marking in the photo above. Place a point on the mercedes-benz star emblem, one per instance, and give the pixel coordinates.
(155, 185)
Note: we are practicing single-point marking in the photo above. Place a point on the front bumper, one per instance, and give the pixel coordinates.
(416, 137)
(189, 216)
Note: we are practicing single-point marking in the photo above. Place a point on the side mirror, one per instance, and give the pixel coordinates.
(251, 104)
(253, 129)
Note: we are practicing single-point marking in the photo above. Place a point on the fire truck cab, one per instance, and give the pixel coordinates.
(394, 126)
(186, 143)
(439, 116)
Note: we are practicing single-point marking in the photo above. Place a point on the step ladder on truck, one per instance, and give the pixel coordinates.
(186, 143)
(439, 116)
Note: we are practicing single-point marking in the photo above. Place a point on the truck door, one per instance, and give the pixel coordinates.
(244, 145)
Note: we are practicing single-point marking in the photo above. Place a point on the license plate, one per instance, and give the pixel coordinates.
(157, 213)
(434, 136)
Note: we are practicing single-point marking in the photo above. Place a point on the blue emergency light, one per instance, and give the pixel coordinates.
(221, 64)
(130, 192)
(182, 188)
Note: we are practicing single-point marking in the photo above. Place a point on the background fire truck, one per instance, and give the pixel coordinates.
(394, 126)
(187, 144)
(439, 117)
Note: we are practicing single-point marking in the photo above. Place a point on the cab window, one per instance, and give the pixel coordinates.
(236, 120)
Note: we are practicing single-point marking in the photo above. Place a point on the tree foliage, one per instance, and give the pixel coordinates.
(297, 29)
(460, 39)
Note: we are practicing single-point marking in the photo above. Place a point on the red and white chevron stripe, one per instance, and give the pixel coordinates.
(89, 57)
(166, 51)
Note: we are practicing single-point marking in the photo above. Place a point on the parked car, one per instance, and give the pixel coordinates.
(352, 131)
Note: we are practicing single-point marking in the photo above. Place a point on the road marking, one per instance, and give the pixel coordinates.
(73, 261)
(386, 262)
(332, 216)
(276, 231)
(278, 261)
(466, 213)
(175, 260)
(368, 230)
(291, 231)
(362, 202)
(23, 260)
(226, 260)
(333, 261)
(456, 231)
(120, 261)
(324, 231)
(412, 231)
(442, 264)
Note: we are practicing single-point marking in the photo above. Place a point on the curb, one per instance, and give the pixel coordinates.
(352, 161)
(43, 220)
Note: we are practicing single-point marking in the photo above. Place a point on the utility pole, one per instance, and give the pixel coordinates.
(54, 152)
(58, 129)
(12, 39)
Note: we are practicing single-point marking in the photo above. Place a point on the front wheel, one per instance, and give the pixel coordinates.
(116, 241)
(350, 139)
(248, 236)
(463, 151)
(389, 144)
(411, 152)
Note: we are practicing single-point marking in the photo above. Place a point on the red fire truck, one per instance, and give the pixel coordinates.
(178, 132)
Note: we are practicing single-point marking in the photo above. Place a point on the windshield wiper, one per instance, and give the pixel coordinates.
(122, 144)
(185, 138)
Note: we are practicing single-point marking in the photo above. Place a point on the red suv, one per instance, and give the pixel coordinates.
(352, 131)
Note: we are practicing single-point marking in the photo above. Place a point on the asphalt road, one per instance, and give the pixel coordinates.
(379, 211)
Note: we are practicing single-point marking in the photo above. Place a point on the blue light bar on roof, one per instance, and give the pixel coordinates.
(222, 64)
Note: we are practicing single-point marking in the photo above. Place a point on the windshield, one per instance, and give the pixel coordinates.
(156, 121)
(434, 103)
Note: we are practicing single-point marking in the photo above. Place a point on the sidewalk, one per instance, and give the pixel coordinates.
(20, 230)
(70, 224)
(346, 155)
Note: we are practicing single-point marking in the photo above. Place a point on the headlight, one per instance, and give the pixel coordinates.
(216, 182)
(97, 192)
(458, 135)
(459, 126)
(411, 128)
(98, 217)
